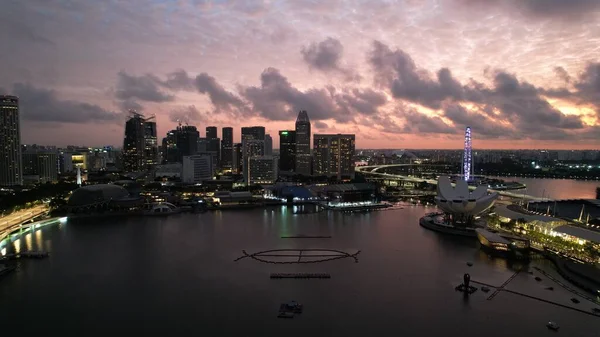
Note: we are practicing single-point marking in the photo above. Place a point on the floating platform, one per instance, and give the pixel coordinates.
(464, 289)
(301, 275)
(28, 254)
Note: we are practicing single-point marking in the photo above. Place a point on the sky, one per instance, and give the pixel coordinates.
(397, 73)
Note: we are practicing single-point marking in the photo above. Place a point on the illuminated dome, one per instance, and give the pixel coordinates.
(94, 194)
(459, 200)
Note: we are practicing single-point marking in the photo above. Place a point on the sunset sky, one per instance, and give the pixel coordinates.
(398, 74)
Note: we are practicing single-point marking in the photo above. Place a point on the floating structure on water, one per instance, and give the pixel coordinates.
(307, 237)
(301, 275)
(288, 310)
(288, 256)
(465, 287)
(27, 254)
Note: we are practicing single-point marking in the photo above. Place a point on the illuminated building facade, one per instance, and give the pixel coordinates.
(287, 150)
(11, 169)
(303, 157)
(334, 155)
(262, 170)
(227, 148)
(140, 145)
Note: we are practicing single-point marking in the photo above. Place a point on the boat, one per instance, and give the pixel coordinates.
(295, 307)
(574, 300)
(485, 289)
(537, 278)
(285, 314)
(162, 208)
(552, 326)
(549, 288)
(470, 264)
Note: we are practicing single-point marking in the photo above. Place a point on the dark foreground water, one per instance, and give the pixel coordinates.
(176, 276)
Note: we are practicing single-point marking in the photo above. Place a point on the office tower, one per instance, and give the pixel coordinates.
(268, 145)
(262, 170)
(253, 132)
(334, 155)
(197, 168)
(135, 147)
(150, 144)
(186, 141)
(213, 143)
(202, 145)
(251, 148)
(40, 165)
(11, 169)
(287, 150)
(237, 159)
(227, 148)
(169, 148)
(303, 158)
(211, 132)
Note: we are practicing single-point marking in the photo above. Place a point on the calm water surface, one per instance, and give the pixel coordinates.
(177, 276)
(558, 188)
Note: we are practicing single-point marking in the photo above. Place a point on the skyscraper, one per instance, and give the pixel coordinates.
(150, 144)
(334, 155)
(237, 159)
(169, 148)
(287, 150)
(214, 144)
(227, 148)
(11, 169)
(253, 144)
(303, 158)
(251, 148)
(211, 132)
(262, 170)
(41, 163)
(187, 141)
(268, 145)
(134, 143)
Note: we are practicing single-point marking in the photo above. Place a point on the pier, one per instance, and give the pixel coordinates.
(300, 275)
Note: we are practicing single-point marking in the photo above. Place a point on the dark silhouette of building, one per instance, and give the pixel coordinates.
(287, 150)
(227, 148)
(253, 133)
(211, 132)
(303, 157)
(11, 168)
(134, 144)
(43, 164)
(187, 141)
(169, 148)
(268, 145)
(250, 136)
(237, 158)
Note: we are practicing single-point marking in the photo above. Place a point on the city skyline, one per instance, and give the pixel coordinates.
(411, 74)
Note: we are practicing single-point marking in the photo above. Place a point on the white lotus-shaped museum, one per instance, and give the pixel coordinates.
(458, 200)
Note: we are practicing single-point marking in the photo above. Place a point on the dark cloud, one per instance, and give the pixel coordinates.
(418, 123)
(326, 56)
(562, 74)
(179, 80)
(397, 70)
(221, 99)
(278, 99)
(144, 88)
(321, 125)
(565, 9)
(483, 126)
(588, 85)
(185, 115)
(366, 101)
(42, 105)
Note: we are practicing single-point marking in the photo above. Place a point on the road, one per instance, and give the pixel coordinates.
(18, 217)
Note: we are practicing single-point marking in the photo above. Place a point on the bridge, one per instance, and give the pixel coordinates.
(20, 219)
(371, 173)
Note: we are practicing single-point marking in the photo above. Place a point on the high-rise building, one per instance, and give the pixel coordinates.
(334, 155)
(42, 164)
(227, 148)
(251, 148)
(237, 159)
(268, 145)
(211, 132)
(197, 168)
(150, 144)
(187, 141)
(169, 148)
(139, 145)
(11, 169)
(262, 170)
(253, 132)
(287, 150)
(303, 157)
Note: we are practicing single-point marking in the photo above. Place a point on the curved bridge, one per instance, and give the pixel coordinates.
(21, 219)
(371, 172)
